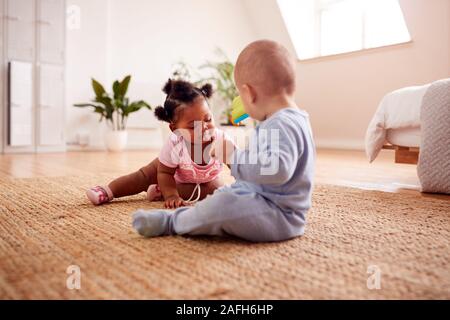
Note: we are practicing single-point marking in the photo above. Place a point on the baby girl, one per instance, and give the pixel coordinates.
(184, 172)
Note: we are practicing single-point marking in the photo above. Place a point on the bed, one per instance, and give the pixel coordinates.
(405, 142)
(396, 125)
(415, 123)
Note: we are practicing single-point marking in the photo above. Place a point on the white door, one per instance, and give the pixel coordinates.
(51, 105)
(20, 104)
(51, 30)
(20, 19)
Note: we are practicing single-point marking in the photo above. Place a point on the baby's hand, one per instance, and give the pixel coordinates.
(222, 150)
(173, 202)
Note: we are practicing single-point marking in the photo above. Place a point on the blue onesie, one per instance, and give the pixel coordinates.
(271, 195)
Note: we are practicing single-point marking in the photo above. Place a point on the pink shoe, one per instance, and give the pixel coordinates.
(154, 193)
(99, 195)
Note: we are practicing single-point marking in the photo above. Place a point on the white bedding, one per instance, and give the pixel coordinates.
(399, 109)
(405, 137)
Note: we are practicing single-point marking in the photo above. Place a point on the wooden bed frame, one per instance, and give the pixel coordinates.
(408, 155)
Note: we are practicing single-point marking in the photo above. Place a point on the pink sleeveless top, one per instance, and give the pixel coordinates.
(175, 154)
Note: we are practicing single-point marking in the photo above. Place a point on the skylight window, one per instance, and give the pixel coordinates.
(327, 27)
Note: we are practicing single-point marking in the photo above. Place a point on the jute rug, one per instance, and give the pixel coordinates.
(358, 244)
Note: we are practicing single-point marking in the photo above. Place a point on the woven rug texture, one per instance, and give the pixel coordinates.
(353, 239)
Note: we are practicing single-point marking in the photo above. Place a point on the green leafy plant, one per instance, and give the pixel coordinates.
(116, 107)
(183, 71)
(222, 76)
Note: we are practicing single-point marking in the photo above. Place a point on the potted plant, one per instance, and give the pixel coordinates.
(222, 76)
(114, 109)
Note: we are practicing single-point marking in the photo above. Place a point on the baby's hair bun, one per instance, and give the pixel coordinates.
(207, 90)
(161, 114)
(168, 87)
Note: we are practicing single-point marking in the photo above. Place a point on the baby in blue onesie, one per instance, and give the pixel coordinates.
(274, 175)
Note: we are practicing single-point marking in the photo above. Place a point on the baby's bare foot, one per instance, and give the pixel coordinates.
(154, 193)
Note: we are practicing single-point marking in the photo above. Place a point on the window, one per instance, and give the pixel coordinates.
(327, 27)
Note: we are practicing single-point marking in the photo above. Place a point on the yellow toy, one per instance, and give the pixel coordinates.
(237, 111)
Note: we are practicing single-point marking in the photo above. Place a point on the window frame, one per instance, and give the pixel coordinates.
(322, 5)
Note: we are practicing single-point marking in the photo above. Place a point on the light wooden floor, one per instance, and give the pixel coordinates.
(348, 168)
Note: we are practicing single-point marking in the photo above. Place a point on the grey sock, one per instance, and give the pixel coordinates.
(150, 223)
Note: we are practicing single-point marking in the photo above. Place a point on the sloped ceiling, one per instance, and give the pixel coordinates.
(267, 22)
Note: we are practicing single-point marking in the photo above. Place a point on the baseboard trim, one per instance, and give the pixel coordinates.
(340, 144)
(77, 148)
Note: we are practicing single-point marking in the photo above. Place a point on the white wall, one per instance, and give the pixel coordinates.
(341, 93)
(159, 33)
(144, 38)
(86, 57)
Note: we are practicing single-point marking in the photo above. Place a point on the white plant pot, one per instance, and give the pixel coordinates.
(116, 140)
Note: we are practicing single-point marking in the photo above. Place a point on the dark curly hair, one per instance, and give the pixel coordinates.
(179, 92)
